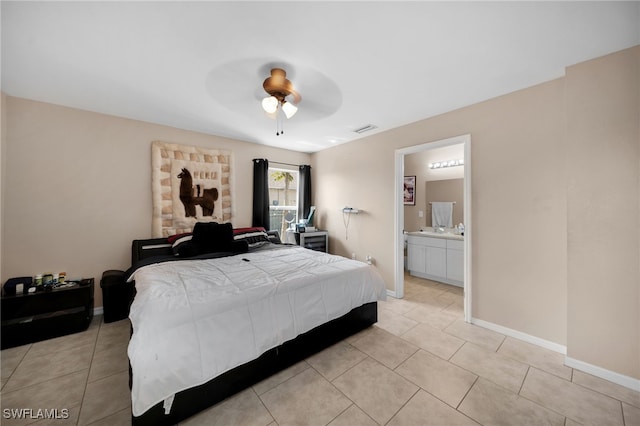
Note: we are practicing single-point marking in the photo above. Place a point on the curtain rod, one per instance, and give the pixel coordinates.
(282, 164)
(288, 164)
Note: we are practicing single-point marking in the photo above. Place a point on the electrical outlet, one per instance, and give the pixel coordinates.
(353, 256)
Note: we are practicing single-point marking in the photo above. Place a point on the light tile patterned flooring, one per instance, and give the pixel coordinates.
(420, 365)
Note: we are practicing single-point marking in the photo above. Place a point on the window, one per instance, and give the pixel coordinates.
(283, 197)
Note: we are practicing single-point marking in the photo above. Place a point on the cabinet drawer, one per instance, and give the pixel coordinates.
(455, 244)
(427, 241)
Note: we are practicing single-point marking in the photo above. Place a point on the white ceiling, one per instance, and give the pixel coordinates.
(200, 65)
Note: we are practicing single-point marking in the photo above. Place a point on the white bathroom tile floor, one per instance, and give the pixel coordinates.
(421, 364)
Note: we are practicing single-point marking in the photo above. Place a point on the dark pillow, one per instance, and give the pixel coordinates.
(181, 245)
(212, 237)
(240, 247)
(173, 238)
(186, 249)
(255, 237)
(274, 237)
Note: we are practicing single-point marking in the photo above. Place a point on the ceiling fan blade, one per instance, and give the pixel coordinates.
(296, 96)
(237, 86)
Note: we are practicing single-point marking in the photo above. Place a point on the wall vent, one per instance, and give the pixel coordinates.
(365, 128)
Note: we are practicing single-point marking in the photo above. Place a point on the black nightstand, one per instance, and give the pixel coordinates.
(314, 240)
(32, 317)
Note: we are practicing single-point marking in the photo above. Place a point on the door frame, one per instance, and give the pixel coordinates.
(399, 215)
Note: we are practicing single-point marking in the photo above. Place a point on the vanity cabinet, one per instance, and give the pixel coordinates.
(437, 259)
(437, 262)
(416, 257)
(455, 261)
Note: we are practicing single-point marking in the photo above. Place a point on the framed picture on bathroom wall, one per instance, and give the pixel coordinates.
(409, 190)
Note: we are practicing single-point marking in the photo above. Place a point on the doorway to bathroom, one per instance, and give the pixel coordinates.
(416, 201)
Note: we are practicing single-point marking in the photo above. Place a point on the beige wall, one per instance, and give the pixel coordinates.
(78, 187)
(545, 259)
(603, 198)
(519, 209)
(3, 181)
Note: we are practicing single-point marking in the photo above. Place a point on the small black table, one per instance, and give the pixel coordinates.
(31, 317)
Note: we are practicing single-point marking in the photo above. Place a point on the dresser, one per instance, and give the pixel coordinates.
(31, 317)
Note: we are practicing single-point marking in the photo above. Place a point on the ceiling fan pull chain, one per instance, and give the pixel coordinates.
(279, 130)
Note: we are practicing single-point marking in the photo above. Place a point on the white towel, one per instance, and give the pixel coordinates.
(442, 214)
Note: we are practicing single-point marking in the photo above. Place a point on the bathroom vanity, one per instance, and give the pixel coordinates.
(437, 256)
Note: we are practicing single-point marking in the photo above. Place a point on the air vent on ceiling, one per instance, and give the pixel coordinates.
(365, 128)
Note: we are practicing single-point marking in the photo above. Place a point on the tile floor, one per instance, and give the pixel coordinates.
(420, 365)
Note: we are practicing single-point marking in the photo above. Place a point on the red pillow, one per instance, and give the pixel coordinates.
(237, 231)
(172, 239)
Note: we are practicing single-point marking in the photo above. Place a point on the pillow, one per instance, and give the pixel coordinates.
(274, 237)
(255, 237)
(238, 231)
(210, 237)
(240, 247)
(182, 246)
(172, 239)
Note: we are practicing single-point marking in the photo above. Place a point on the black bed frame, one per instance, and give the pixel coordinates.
(192, 401)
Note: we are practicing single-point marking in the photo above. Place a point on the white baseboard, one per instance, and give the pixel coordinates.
(392, 293)
(98, 311)
(521, 336)
(603, 373)
(438, 279)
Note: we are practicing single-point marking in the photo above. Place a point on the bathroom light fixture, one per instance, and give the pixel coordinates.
(444, 164)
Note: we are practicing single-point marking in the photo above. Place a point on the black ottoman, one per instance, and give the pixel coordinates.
(116, 295)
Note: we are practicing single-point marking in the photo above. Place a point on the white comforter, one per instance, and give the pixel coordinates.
(195, 319)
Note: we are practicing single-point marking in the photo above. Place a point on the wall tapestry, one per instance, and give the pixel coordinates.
(189, 184)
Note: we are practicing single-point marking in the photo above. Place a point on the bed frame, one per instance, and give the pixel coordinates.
(192, 401)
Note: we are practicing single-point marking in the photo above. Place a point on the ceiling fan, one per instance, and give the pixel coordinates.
(281, 94)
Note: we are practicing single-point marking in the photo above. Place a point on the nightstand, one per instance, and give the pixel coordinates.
(31, 317)
(315, 240)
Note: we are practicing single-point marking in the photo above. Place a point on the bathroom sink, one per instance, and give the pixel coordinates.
(436, 233)
(446, 234)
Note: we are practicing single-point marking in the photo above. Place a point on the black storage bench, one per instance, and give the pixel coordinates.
(116, 295)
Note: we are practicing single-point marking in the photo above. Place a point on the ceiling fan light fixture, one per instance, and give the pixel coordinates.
(270, 104)
(289, 109)
(279, 88)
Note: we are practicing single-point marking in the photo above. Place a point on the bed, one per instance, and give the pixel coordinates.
(206, 326)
